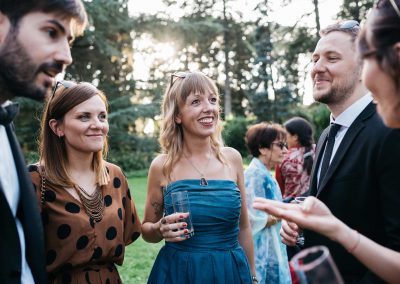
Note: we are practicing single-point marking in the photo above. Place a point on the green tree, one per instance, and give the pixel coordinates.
(355, 10)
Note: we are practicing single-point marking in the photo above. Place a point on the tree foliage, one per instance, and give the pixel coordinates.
(260, 61)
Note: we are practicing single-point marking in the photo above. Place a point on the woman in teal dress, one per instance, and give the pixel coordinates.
(266, 144)
(194, 160)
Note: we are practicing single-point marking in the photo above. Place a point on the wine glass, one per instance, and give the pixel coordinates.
(315, 265)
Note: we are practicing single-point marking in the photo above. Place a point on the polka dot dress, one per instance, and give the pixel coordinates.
(79, 250)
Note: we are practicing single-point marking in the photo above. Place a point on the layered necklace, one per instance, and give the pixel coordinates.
(203, 181)
(93, 203)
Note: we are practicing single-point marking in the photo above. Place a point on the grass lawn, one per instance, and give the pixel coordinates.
(139, 256)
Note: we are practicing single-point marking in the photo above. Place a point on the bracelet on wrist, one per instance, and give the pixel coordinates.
(274, 220)
(254, 279)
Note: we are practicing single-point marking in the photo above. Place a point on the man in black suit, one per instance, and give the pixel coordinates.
(35, 38)
(356, 170)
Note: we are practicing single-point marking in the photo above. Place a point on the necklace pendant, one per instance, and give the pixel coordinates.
(203, 182)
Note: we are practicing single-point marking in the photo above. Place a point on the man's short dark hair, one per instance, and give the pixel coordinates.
(16, 9)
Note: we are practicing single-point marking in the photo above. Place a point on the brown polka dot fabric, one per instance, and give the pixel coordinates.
(79, 250)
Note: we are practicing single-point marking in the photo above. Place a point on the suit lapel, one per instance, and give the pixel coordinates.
(28, 212)
(347, 141)
(318, 156)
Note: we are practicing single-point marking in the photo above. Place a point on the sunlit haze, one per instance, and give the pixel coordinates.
(288, 16)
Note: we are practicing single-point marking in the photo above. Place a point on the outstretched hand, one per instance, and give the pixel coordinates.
(312, 214)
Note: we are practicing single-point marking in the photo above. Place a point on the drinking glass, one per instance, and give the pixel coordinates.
(181, 204)
(315, 265)
(300, 238)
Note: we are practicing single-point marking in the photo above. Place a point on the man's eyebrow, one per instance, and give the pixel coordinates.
(333, 52)
(61, 28)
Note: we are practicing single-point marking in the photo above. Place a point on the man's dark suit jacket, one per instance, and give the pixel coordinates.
(361, 188)
(28, 214)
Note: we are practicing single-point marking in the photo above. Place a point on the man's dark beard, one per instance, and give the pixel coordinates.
(18, 72)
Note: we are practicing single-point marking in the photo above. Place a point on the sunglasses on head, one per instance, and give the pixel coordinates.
(280, 144)
(348, 25)
(66, 84)
(175, 76)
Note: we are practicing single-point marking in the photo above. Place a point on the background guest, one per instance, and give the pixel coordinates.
(266, 143)
(293, 174)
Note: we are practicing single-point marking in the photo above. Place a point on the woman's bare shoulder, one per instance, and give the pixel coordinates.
(231, 154)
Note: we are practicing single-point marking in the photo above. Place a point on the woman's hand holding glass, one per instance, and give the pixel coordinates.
(172, 229)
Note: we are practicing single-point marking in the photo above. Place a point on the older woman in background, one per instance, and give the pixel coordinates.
(267, 145)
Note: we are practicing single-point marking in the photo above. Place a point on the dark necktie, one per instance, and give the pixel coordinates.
(328, 150)
(8, 113)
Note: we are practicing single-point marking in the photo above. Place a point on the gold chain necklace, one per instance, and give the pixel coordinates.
(203, 181)
(93, 203)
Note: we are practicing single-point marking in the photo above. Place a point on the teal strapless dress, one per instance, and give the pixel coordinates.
(213, 254)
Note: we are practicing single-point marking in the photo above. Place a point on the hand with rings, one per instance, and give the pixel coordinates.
(172, 229)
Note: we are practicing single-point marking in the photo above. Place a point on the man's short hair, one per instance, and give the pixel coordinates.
(17, 9)
(350, 27)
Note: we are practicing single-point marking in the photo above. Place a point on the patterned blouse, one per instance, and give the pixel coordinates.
(269, 252)
(78, 249)
(292, 179)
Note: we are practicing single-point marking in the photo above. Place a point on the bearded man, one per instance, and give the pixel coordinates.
(356, 169)
(35, 38)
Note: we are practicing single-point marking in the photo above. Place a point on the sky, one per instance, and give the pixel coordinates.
(292, 12)
(287, 15)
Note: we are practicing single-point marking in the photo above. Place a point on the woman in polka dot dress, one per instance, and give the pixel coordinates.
(87, 210)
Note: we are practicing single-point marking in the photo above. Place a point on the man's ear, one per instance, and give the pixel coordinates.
(397, 49)
(56, 127)
(5, 26)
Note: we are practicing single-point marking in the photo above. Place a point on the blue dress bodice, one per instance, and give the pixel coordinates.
(213, 254)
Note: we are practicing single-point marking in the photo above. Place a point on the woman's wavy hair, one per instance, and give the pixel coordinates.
(52, 149)
(171, 136)
(380, 33)
(304, 131)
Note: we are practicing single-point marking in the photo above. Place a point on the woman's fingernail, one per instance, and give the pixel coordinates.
(184, 225)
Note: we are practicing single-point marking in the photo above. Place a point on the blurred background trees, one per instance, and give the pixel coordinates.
(259, 65)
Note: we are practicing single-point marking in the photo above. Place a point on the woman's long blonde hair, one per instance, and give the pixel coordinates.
(52, 150)
(171, 136)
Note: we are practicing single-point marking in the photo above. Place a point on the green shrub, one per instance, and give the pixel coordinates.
(234, 133)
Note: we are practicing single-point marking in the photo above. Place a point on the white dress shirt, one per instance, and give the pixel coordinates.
(346, 119)
(10, 185)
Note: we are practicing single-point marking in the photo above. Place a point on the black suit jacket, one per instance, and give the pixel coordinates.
(28, 214)
(361, 188)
